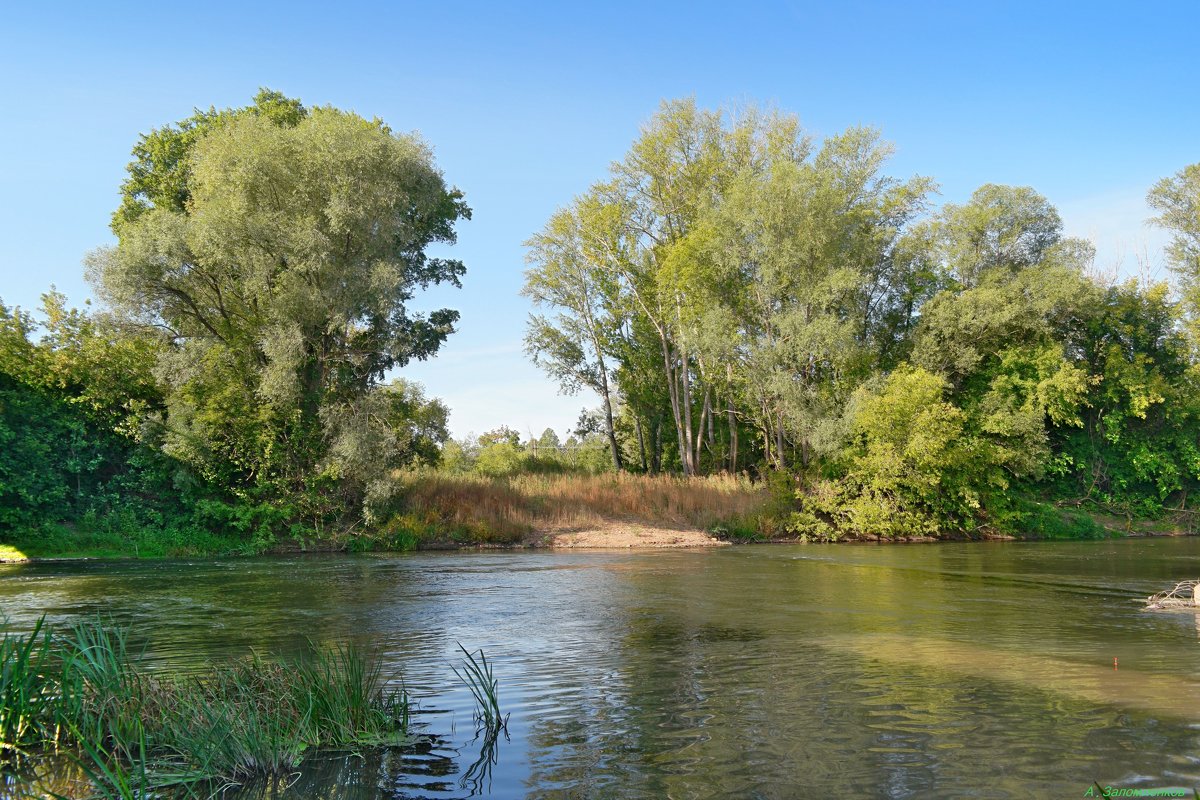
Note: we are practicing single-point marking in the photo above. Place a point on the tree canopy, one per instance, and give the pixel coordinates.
(780, 303)
(277, 250)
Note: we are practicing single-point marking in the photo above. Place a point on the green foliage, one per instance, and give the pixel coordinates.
(742, 298)
(761, 295)
(1002, 229)
(1177, 199)
(912, 467)
(500, 453)
(160, 174)
(279, 248)
(1039, 520)
(257, 297)
(1137, 445)
(500, 458)
(77, 433)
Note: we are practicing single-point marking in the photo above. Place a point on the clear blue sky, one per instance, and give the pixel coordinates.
(526, 105)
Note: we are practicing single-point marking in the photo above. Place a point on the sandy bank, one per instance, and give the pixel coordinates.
(629, 535)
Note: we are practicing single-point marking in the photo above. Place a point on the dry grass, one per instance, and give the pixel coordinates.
(511, 509)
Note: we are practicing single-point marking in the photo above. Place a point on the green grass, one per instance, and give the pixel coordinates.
(1045, 521)
(9, 554)
(114, 540)
(134, 732)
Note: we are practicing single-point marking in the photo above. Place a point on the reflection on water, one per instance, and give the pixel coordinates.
(832, 671)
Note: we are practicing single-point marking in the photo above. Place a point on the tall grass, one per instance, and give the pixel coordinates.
(27, 695)
(134, 733)
(507, 509)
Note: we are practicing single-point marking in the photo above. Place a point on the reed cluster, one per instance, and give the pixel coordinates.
(81, 692)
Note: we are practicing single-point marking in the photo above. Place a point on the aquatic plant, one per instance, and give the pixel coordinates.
(477, 674)
(135, 734)
(27, 694)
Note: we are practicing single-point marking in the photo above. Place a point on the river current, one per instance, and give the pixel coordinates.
(988, 670)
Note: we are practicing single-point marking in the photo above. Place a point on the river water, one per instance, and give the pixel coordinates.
(943, 670)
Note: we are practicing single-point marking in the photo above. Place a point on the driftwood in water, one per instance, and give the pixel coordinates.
(1186, 594)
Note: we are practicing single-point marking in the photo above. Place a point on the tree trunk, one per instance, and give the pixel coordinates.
(673, 393)
(608, 413)
(685, 380)
(733, 438)
(779, 439)
(637, 421)
(708, 409)
(705, 424)
(656, 451)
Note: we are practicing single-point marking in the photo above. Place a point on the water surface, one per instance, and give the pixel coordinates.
(950, 670)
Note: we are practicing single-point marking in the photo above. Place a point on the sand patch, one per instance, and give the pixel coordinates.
(631, 535)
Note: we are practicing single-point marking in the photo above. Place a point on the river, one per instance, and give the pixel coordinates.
(953, 670)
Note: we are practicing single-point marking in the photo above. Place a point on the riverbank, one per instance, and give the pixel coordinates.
(439, 511)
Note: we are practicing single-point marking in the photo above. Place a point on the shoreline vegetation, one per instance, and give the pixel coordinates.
(81, 717)
(786, 342)
(572, 511)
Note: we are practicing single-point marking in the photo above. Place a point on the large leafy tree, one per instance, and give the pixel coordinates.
(763, 270)
(572, 271)
(1177, 199)
(279, 248)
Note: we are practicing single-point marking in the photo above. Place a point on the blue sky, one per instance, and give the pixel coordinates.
(526, 105)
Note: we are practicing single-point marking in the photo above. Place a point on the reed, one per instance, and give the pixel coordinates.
(477, 674)
(136, 734)
(27, 692)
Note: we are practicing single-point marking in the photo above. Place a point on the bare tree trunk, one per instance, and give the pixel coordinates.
(656, 452)
(709, 410)
(779, 439)
(685, 381)
(673, 393)
(766, 433)
(637, 422)
(608, 413)
(733, 438)
(705, 424)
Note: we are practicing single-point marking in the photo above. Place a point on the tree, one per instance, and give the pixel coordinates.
(804, 253)
(763, 269)
(160, 174)
(387, 428)
(1177, 199)
(1001, 228)
(549, 440)
(279, 248)
(911, 466)
(77, 434)
(501, 435)
(570, 272)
